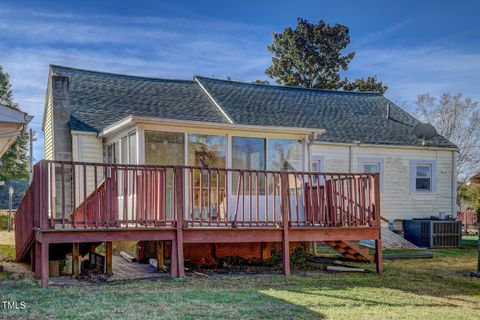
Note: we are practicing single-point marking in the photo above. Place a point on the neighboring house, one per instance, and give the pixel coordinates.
(474, 180)
(12, 123)
(95, 116)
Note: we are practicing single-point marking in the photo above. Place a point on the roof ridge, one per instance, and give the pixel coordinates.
(53, 66)
(292, 87)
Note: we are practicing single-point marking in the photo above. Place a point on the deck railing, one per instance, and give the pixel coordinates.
(468, 218)
(66, 195)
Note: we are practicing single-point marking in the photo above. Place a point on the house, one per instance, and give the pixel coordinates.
(126, 119)
(12, 123)
(192, 162)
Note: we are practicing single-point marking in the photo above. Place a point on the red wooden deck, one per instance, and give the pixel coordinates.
(73, 202)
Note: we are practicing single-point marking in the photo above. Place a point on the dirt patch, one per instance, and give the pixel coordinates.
(7, 237)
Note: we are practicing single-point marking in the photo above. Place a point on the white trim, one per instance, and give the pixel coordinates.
(213, 100)
(140, 145)
(454, 184)
(364, 160)
(203, 124)
(413, 175)
(85, 133)
(382, 146)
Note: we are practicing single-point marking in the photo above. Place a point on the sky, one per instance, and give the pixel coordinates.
(414, 47)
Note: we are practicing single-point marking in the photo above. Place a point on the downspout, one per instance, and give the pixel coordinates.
(454, 183)
(350, 159)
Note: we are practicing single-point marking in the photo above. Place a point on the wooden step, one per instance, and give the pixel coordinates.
(350, 249)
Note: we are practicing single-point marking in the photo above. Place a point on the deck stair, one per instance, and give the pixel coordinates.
(351, 250)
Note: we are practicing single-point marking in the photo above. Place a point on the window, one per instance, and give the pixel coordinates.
(285, 155)
(164, 148)
(316, 165)
(372, 165)
(132, 141)
(248, 153)
(124, 151)
(111, 153)
(423, 177)
(207, 151)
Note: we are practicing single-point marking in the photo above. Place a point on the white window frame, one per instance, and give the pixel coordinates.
(320, 160)
(413, 176)
(362, 161)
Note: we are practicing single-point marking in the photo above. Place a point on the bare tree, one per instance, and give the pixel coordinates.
(458, 120)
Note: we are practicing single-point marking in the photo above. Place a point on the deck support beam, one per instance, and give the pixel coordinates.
(178, 174)
(285, 206)
(75, 259)
(160, 255)
(108, 258)
(378, 256)
(44, 263)
(38, 255)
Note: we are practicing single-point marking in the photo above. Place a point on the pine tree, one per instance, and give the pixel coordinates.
(14, 163)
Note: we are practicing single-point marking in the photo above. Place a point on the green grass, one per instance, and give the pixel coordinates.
(411, 289)
(7, 252)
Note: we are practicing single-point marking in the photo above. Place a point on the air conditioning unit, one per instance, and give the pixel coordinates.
(433, 233)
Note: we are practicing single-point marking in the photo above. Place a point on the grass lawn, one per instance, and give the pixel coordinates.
(411, 289)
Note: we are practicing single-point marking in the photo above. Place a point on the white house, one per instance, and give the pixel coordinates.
(95, 116)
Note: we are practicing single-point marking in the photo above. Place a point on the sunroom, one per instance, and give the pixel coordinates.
(214, 152)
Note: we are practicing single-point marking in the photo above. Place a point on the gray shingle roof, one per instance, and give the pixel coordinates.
(100, 99)
(346, 116)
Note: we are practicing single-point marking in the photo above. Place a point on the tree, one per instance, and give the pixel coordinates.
(458, 120)
(264, 82)
(371, 84)
(311, 56)
(14, 163)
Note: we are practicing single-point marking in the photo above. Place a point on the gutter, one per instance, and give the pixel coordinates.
(358, 144)
(130, 120)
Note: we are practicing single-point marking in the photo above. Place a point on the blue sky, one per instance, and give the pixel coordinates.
(413, 46)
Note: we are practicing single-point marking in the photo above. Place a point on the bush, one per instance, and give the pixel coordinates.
(4, 221)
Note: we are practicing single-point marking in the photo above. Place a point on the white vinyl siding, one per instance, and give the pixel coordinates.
(48, 129)
(397, 202)
(86, 148)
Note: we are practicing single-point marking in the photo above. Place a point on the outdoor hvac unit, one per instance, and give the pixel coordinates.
(433, 233)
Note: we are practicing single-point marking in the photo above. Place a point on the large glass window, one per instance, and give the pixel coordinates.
(248, 153)
(285, 155)
(132, 141)
(164, 148)
(207, 151)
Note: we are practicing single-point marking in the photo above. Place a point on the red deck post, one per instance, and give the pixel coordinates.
(286, 223)
(378, 223)
(179, 213)
(108, 257)
(75, 259)
(160, 255)
(38, 254)
(44, 263)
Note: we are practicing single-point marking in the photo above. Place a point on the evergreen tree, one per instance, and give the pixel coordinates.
(312, 56)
